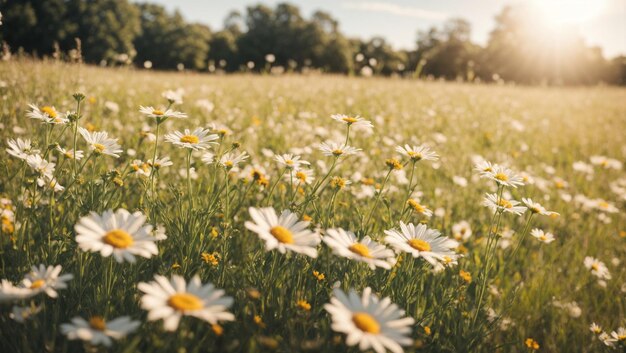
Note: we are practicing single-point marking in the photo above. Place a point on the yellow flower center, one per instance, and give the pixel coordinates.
(416, 206)
(350, 120)
(97, 323)
(49, 111)
(99, 147)
(282, 234)
(184, 302)
(37, 284)
(543, 238)
(603, 204)
(301, 176)
(157, 112)
(366, 323)
(414, 155)
(338, 152)
(118, 238)
(228, 164)
(501, 177)
(288, 162)
(360, 249)
(419, 244)
(189, 139)
(504, 203)
(595, 266)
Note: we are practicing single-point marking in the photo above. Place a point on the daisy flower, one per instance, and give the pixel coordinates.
(503, 205)
(161, 114)
(46, 114)
(160, 163)
(231, 160)
(417, 153)
(461, 231)
(290, 161)
(541, 236)
(208, 158)
(595, 328)
(70, 153)
(119, 233)
(536, 208)
(605, 162)
(198, 139)
(172, 299)
(23, 313)
(337, 149)
(302, 176)
(419, 208)
(619, 335)
(9, 292)
(484, 167)
(345, 243)
(46, 279)
(97, 331)
(370, 322)
(503, 176)
(420, 241)
(100, 143)
(355, 121)
(597, 267)
(21, 148)
(41, 166)
(284, 232)
(140, 168)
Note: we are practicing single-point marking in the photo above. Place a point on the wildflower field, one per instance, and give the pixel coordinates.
(178, 212)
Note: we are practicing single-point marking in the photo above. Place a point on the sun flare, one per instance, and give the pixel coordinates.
(570, 11)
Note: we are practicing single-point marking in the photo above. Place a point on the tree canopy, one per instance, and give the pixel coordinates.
(118, 32)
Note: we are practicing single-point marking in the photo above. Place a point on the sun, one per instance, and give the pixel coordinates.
(570, 11)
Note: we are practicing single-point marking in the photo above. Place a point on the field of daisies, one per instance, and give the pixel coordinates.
(178, 212)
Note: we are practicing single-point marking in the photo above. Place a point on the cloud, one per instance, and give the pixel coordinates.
(398, 10)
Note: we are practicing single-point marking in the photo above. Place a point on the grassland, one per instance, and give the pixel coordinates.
(542, 291)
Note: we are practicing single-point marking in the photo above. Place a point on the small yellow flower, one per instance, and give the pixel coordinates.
(338, 183)
(253, 293)
(304, 305)
(217, 329)
(393, 163)
(214, 233)
(175, 266)
(306, 218)
(211, 259)
(258, 321)
(427, 330)
(320, 276)
(532, 344)
(466, 276)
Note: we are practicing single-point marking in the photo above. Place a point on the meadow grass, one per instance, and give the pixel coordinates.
(493, 300)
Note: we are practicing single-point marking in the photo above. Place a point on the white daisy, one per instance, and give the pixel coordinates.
(9, 292)
(335, 149)
(41, 166)
(198, 139)
(46, 279)
(369, 321)
(301, 176)
(484, 167)
(503, 205)
(536, 208)
(544, 237)
(208, 158)
(420, 241)
(419, 208)
(160, 162)
(121, 233)
(231, 160)
(597, 267)
(70, 153)
(46, 114)
(290, 161)
(100, 143)
(23, 313)
(605, 162)
(417, 153)
(284, 232)
(161, 114)
(355, 121)
(619, 335)
(503, 176)
(345, 243)
(97, 331)
(140, 168)
(595, 328)
(21, 148)
(172, 299)
(461, 231)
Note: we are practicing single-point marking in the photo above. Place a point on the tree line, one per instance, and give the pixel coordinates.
(279, 39)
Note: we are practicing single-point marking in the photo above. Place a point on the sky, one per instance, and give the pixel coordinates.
(398, 21)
